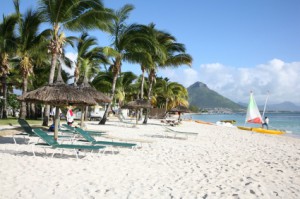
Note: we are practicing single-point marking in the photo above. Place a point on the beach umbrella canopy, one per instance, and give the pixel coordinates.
(58, 94)
(180, 109)
(137, 104)
(97, 95)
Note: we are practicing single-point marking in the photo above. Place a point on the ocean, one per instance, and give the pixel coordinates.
(289, 122)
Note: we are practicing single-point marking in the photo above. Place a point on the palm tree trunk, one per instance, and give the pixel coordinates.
(151, 79)
(103, 120)
(76, 74)
(4, 90)
(27, 107)
(113, 89)
(167, 104)
(23, 104)
(142, 83)
(33, 111)
(142, 91)
(51, 80)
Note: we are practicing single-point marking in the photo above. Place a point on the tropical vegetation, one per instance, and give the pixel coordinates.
(33, 48)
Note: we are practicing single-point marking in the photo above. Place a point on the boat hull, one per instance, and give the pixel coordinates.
(267, 131)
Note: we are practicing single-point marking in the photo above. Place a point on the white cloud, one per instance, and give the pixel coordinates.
(73, 57)
(185, 77)
(279, 78)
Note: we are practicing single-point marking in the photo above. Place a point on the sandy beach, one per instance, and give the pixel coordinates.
(219, 162)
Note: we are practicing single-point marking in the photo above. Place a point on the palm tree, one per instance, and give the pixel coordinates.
(7, 46)
(89, 57)
(127, 42)
(74, 15)
(125, 88)
(174, 56)
(30, 46)
(172, 93)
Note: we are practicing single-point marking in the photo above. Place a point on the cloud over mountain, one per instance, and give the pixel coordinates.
(279, 78)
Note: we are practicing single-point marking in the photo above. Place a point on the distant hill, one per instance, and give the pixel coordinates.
(203, 97)
(284, 106)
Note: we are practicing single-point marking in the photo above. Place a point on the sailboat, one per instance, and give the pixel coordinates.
(253, 116)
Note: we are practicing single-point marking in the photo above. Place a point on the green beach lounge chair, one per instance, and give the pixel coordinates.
(73, 130)
(89, 138)
(28, 131)
(55, 145)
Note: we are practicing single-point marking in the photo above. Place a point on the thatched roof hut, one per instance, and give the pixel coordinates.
(139, 103)
(180, 109)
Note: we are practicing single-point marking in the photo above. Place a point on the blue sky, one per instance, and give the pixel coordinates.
(237, 46)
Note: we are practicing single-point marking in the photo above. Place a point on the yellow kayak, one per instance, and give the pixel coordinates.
(245, 128)
(267, 131)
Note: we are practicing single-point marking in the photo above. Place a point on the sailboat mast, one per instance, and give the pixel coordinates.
(263, 115)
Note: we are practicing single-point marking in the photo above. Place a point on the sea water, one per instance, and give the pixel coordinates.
(288, 122)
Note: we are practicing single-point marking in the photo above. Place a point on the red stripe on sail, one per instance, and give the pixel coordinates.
(255, 120)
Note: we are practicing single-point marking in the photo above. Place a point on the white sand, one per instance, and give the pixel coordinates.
(220, 162)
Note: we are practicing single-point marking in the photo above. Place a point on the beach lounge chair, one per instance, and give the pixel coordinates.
(29, 133)
(71, 129)
(180, 133)
(126, 122)
(89, 138)
(55, 145)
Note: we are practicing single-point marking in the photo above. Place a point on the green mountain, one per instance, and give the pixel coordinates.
(204, 98)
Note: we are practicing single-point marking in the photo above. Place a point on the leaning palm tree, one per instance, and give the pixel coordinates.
(175, 56)
(127, 41)
(7, 47)
(74, 15)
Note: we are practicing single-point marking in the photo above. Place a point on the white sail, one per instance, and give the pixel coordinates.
(253, 114)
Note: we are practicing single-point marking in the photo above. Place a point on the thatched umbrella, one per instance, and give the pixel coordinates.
(137, 104)
(98, 96)
(179, 109)
(58, 94)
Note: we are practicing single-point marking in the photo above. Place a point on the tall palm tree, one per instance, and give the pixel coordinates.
(7, 46)
(127, 41)
(31, 46)
(175, 57)
(74, 15)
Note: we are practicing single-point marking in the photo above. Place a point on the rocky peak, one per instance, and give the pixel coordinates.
(198, 85)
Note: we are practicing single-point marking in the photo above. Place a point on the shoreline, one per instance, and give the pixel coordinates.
(220, 162)
(288, 122)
